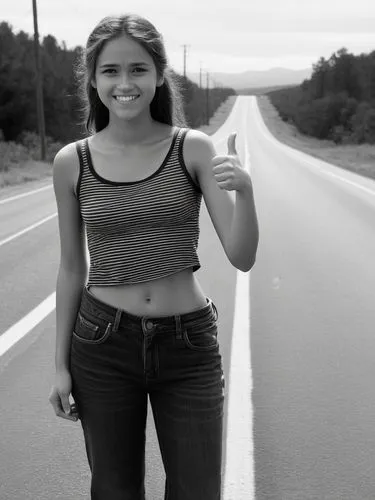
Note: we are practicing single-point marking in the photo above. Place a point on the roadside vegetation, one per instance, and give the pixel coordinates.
(337, 103)
(330, 116)
(19, 161)
(358, 158)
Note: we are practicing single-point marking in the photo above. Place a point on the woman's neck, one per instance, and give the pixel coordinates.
(131, 132)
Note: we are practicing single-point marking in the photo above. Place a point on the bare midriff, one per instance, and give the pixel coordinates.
(176, 294)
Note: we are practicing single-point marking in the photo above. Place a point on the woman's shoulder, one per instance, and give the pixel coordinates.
(197, 136)
(66, 165)
(198, 146)
(66, 153)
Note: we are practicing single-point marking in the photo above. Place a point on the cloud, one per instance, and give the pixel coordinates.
(233, 33)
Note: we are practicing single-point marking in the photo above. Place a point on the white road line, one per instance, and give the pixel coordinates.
(22, 195)
(27, 323)
(239, 467)
(29, 228)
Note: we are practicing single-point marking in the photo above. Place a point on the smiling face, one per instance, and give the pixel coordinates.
(126, 78)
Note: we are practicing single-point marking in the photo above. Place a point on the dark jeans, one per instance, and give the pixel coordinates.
(117, 359)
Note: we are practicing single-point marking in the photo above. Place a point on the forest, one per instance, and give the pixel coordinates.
(63, 117)
(338, 101)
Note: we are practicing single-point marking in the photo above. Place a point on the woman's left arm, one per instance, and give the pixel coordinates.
(235, 221)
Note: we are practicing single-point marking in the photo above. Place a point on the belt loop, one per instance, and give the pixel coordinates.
(178, 326)
(117, 320)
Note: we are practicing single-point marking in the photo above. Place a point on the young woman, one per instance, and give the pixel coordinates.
(136, 323)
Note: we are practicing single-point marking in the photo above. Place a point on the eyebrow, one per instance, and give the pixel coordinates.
(110, 65)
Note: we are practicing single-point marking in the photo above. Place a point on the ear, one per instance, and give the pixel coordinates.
(160, 81)
(93, 83)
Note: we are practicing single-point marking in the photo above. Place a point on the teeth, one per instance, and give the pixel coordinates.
(126, 98)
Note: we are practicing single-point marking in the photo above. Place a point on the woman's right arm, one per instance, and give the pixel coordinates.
(72, 273)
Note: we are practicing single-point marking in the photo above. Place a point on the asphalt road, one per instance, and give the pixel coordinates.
(311, 335)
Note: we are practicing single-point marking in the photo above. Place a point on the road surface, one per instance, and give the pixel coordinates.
(296, 335)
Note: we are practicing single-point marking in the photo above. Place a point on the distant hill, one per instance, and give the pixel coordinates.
(262, 90)
(254, 79)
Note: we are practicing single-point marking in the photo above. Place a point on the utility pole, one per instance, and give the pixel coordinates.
(185, 52)
(39, 86)
(207, 99)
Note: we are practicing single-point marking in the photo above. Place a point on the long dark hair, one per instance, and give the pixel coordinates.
(167, 104)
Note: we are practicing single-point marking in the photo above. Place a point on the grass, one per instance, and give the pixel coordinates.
(356, 158)
(220, 116)
(27, 171)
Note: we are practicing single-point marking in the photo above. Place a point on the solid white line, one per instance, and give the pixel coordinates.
(29, 228)
(27, 323)
(22, 195)
(239, 467)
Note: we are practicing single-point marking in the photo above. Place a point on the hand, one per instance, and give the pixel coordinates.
(59, 397)
(228, 171)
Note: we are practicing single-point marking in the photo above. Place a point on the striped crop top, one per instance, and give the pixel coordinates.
(141, 230)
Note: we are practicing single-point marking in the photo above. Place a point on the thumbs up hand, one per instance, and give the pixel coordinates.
(228, 171)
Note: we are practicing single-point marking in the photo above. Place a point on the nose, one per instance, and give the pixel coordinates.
(125, 80)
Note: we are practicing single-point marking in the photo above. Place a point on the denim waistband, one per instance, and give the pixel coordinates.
(121, 316)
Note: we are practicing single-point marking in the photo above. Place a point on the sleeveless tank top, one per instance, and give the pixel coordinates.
(141, 230)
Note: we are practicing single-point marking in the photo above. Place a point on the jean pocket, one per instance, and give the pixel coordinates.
(85, 330)
(201, 337)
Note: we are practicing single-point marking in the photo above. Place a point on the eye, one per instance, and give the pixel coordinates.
(109, 70)
(139, 69)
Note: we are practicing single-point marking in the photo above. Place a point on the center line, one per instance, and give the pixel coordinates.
(239, 467)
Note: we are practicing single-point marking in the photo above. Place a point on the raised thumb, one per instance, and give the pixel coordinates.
(232, 144)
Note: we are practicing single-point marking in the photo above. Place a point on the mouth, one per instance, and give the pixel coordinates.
(126, 99)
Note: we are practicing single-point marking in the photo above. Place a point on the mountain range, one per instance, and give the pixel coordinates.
(253, 79)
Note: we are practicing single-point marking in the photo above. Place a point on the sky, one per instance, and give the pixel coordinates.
(230, 36)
